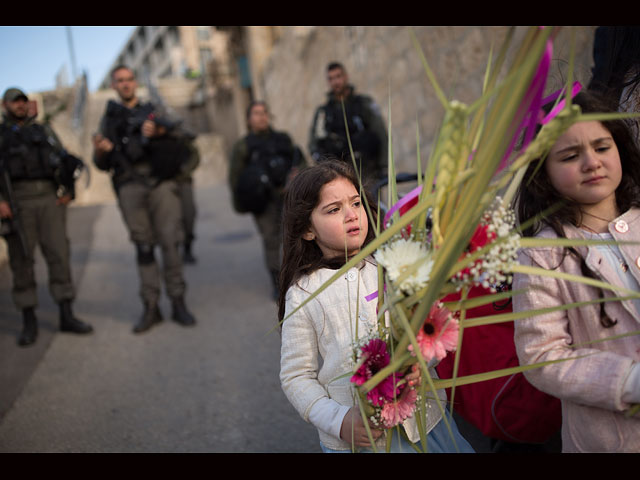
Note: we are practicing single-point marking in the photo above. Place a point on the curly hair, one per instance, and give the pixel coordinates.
(302, 257)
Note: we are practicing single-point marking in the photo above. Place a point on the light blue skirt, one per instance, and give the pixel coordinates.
(439, 440)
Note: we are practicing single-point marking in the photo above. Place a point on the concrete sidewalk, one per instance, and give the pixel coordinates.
(209, 388)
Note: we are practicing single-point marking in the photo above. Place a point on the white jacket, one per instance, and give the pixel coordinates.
(326, 327)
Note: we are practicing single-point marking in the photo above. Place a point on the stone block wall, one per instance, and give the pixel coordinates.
(384, 63)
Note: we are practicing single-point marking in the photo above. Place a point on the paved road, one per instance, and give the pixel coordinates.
(210, 388)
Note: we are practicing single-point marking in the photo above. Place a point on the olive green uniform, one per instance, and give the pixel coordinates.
(187, 198)
(149, 203)
(262, 147)
(28, 154)
(367, 133)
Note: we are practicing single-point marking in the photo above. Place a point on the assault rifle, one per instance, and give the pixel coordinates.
(167, 153)
(13, 225)
(131, 124)
(68, 168)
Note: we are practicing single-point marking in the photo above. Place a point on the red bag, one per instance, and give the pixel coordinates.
(507, 408)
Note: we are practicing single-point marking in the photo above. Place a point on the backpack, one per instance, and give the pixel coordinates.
(271, 158)
(253, 190)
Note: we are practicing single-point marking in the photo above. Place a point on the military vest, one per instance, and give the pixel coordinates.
(355, 113)
(273, 153)
(139, 158)
(27, 152)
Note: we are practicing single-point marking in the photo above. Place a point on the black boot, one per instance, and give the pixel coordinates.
(68, 323)
(29, 328)
(150, 317)
(187, 256)
(180, 313)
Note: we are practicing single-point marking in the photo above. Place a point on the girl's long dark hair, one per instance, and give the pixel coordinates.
(536, 195)
(301, 257)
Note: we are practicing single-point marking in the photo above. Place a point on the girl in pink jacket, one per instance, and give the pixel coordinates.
(593, 172)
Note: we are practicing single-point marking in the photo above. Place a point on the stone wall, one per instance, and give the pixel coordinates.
(384, 63)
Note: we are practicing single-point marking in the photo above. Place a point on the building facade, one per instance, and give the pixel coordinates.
(155, 52)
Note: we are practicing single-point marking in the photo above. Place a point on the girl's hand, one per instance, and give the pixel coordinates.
(413, 377)
(353, 430)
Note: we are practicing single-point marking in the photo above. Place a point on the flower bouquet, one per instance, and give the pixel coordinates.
(455, 230)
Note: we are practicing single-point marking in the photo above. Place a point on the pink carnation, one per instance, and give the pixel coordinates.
(438, 335)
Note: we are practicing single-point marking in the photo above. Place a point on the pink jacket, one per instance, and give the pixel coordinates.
(590, 387)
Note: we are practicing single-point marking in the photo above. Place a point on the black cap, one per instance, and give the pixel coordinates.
(12, 94)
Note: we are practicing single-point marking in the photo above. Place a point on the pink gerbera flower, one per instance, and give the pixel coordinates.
(398, 411)
(376, 357)
(438, 335)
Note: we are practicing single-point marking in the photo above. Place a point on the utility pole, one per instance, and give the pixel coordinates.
(72, 54)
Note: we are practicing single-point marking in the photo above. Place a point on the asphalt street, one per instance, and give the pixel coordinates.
(213, 387)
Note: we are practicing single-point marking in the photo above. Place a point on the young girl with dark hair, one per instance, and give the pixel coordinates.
(593, 173)
(325, 223)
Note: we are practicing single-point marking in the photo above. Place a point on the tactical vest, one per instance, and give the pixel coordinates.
(273, 153)
(28, 152)
(165, 155)
(334, 117)
(364, 141)
(122, 126)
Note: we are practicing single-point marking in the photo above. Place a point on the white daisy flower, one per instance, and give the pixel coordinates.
(399, 256)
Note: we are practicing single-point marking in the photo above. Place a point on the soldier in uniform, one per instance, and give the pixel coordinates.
(144, 152)
(187, 200)
(33, 207)
(261, 164)
(367, 132)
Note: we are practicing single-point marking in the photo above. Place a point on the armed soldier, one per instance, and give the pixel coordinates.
(367, 132)
(143, 151)
(37, 185)
(187, 198)
(261, 164)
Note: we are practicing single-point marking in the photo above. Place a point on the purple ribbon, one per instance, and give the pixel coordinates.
(371, 296)
(574, 91)
(530, 107)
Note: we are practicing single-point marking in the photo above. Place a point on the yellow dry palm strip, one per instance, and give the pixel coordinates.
(491, 148)
(456, 359)
(481, 377)
(392, 191)
(451, 152)
(529, 270)
(511, 316)
(492, 145)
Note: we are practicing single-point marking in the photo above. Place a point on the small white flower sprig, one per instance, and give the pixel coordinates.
(497, 247)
